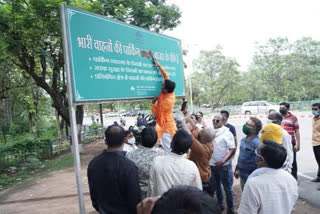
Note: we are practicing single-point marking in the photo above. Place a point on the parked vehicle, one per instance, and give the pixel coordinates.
(111, 114)
(258, 107)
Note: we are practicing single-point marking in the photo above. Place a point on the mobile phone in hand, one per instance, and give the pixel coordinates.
(184, 105)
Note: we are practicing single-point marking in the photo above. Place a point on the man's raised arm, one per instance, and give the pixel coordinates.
(163, 71)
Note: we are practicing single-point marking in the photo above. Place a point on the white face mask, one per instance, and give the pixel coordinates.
(132, 141)
(269, 121)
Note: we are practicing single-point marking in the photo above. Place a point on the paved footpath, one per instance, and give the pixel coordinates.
(56, 193)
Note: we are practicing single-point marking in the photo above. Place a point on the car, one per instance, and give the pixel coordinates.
(111, 114)
(258, 107)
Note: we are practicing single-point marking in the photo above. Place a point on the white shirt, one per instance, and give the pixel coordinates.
(129, 148)
(286, 143)
(172, 169)
(222, 143)
(272, 192)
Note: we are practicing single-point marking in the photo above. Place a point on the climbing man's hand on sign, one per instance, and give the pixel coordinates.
(155, 62)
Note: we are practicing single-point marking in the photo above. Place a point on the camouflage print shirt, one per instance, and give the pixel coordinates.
(143, 158)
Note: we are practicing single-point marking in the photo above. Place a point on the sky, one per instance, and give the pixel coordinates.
(238, 24)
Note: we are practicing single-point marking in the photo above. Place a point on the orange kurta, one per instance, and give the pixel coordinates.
(163, 110)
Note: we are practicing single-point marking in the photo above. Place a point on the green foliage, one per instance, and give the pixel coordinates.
(214, 78)
(95, 126)
(60, 162)
(19, 127)
(26, 146)
(154, 15)
(287, 71)
(280, 71)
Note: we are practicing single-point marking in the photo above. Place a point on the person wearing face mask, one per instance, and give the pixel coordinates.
(129, 142)
(220, 162)
(291, 125)
(247, 157)
(316, 137)
(269, 189)
(276, 118)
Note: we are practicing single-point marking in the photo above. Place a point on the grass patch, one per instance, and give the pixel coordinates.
(34, 168)
(60, 162)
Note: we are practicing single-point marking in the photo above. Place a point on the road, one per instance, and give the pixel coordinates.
(307, 166)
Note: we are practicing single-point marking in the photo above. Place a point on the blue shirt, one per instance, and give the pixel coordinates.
(247, 157)
(232, 129)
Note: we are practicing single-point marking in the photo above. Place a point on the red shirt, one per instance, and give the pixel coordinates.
(290, 124)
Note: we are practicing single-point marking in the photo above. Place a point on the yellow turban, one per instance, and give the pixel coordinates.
(272, 132)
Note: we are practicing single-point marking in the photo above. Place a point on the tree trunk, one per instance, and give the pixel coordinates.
(4, 133)
(58, 124)
(36, 115)
(30, 117)
(79, 120)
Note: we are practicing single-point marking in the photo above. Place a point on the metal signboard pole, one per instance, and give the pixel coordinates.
(72, 112)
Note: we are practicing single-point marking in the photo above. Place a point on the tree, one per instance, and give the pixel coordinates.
(214, 77)
(286, 71)
(30, 32)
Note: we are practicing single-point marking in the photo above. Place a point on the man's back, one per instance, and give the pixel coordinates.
(201, 154)
(170, 170)
(274, 191)
(113, 183)
(143, 158)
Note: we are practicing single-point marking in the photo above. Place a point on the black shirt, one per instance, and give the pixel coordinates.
(232, 129)
(113, 183)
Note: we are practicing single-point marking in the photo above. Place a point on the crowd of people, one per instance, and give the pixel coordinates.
(170, 170)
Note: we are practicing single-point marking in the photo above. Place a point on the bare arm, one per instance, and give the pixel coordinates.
(163, 71)
(297, 146)
(185, 127)
(229, 155)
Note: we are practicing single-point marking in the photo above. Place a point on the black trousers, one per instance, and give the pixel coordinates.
(316, 151)
(294, 170)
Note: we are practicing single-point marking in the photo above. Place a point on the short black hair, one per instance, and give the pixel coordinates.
(169, 85)
(195, 116)
(273, 153)
(199, 112)
(287, 105)
(128, 132)
(225, 112)
(149, 137)
(185, 199)
(257, 124)
(115, 135)
(316, 105)
(181, 142)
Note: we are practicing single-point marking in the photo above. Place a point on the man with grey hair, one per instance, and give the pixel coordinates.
(276, 118)
(201, 149)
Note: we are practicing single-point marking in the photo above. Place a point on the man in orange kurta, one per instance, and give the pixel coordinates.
(162, 108)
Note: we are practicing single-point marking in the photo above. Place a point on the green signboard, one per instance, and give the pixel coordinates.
(107, 58)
